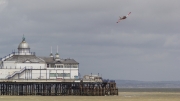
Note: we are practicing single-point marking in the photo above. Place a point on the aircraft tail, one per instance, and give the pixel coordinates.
(129, 13)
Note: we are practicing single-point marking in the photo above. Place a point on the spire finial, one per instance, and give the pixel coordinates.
(51, 55)
(57, 49)
(51, 49)
(23, 39)
(57, 55)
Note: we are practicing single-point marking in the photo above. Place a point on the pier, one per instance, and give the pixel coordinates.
(58, 88)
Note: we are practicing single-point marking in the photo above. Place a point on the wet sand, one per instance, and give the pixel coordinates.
(124, 95)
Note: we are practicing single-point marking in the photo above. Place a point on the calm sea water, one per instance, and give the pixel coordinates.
(149, 89)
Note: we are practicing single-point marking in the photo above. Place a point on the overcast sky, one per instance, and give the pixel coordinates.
(144, 47)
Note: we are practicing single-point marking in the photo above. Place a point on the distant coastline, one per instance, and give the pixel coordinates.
(147, 84)
(149, 89)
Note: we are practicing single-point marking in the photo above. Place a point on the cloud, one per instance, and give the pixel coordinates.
(3, 4)
(87, 31)
(172, 41)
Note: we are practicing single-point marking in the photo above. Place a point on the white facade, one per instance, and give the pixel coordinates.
(14, 65)
(25, 65)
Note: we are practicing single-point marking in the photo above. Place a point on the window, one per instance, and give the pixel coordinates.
(59, 74)
(63, 74)
(52, 65)
(52, 74)
(74, 66)
(58, 66)
(67, 66)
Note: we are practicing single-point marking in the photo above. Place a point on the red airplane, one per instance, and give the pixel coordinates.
(124, 17)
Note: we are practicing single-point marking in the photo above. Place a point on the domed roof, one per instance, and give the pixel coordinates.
(23, 44)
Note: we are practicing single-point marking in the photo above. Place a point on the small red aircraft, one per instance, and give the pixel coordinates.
(124, 17)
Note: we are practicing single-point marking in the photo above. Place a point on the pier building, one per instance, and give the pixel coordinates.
(24, 64)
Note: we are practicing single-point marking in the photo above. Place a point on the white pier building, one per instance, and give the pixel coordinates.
(24, 65)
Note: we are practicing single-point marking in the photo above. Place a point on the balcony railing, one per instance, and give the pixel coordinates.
(22, 53)
(16, 53)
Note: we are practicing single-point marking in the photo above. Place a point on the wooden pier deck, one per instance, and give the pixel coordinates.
(58, 88)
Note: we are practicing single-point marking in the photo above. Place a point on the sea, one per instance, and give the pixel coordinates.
(149, 89)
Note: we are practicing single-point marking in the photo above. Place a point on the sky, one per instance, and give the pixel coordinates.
(144, 47)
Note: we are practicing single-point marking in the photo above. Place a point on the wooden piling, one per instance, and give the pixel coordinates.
(59, 88)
